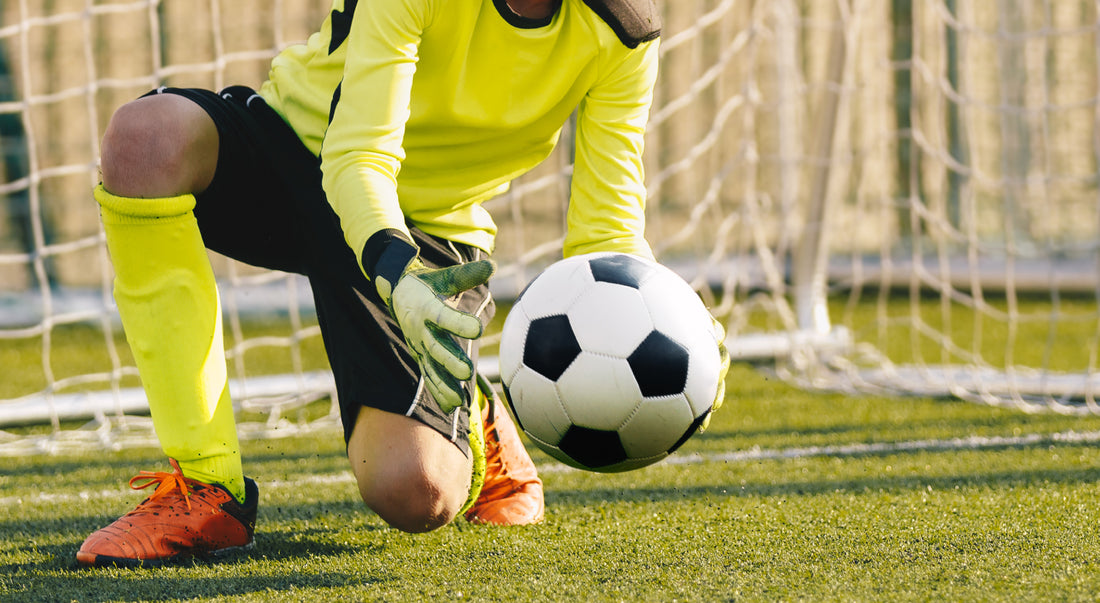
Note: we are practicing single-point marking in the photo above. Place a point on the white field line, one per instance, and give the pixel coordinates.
(967, 443)
(741, 456)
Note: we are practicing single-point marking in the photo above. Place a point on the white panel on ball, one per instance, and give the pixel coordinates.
(675, 307)
(555, 293)
(543, 418)
(703, 370)
(610, 319)
(647, 432)
(601, 391)
(512, 341)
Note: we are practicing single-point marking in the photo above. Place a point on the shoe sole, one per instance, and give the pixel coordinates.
(90, 560)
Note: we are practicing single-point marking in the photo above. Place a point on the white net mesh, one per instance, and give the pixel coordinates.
(874, 196)
(987, 219)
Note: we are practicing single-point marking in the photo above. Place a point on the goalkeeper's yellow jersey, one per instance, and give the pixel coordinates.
(424, 109)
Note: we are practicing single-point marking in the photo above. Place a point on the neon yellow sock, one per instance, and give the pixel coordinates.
(478, 403)
(168, 300)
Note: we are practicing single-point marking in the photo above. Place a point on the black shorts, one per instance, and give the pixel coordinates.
(266, 207)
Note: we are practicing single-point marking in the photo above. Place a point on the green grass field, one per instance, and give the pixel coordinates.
(789, 495)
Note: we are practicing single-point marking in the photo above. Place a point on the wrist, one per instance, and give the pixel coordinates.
(386, 256)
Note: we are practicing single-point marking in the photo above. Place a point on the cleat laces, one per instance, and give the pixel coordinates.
(166, 483)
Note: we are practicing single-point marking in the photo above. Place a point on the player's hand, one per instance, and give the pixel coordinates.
(418, 304)
(724, 367)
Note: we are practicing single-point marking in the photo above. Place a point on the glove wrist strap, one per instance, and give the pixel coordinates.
(385, 257)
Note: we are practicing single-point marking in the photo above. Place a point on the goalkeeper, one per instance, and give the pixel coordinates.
(363, 162)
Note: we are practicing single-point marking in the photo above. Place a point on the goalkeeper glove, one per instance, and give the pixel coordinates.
(416, 296)
(723, 368)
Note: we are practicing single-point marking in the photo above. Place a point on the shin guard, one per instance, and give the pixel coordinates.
(168, 301)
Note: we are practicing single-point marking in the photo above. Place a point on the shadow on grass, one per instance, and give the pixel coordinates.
(245, 572)
(896, 484)
(947, 426)
(155, 584)
(278, 543)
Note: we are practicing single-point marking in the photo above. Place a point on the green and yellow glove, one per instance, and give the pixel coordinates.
(417, 299)
(724, 367)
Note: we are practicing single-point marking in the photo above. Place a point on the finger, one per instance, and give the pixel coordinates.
(462, 277)
(446, 353)
(719, 330)
(445, 400)
(455, 321)
(705, 424)
(723, 370)
(447, 391)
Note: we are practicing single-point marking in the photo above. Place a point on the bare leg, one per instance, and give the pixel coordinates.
(407, 472)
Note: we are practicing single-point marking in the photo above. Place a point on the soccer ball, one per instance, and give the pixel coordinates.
(609, 361)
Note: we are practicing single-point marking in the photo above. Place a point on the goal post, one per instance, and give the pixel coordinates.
(888, 197)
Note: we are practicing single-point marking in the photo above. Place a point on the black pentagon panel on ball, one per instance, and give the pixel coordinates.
(593, 448)
(620, 269)
(551, 346)
(660, 365)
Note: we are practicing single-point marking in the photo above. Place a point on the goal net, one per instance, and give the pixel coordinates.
(895, 197)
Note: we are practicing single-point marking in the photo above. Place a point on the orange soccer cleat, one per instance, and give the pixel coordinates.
(183, 519)
(512, 492)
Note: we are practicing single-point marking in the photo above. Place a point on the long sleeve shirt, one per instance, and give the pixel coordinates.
(421, 110)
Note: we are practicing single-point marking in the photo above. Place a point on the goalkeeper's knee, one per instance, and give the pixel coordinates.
(158, 146)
